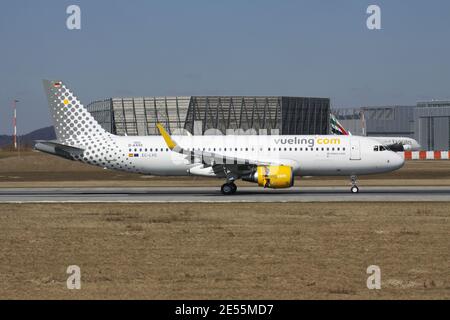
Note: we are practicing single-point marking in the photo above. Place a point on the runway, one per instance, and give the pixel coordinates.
(205, 194)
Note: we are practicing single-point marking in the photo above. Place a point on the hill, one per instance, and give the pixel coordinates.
(47, 133)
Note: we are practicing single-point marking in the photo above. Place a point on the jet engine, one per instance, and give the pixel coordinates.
(275, 177)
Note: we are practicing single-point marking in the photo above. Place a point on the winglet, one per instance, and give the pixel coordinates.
(167, 138)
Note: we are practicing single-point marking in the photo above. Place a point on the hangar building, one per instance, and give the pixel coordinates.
(427, 122)
(432, 125)
(198, 114)
(378, 121)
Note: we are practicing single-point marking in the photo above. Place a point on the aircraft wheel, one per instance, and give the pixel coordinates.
(227, 189)
(234, 187)
(354, 189)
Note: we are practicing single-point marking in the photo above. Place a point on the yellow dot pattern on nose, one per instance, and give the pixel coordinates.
(66, 102)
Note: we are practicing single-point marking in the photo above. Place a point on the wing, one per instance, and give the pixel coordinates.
(218, 162)
(58, 149)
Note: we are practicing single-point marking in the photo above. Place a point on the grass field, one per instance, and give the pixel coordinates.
(33, 169)
(218, 251)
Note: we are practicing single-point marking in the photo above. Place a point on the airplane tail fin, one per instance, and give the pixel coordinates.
(73, 123)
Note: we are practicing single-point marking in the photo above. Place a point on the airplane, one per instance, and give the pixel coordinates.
(271, 161)
(397, 144)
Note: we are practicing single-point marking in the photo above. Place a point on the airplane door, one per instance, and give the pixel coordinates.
(355, 150)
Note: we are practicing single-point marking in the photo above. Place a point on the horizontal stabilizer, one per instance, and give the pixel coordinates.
(58, 149)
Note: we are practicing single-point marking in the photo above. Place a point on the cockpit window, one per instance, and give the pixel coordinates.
(380, 148)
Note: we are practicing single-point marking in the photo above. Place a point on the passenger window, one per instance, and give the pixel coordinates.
(375, 148)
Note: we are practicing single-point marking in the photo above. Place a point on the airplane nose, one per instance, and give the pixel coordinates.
(397, 161)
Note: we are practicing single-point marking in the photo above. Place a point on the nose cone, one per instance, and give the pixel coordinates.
(396, 161)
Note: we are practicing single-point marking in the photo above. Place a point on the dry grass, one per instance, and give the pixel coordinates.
(219, 251)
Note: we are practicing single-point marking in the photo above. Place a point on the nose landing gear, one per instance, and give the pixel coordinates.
(228, 188)
(354, 188)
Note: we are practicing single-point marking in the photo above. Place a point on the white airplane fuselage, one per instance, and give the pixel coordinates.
(307, 155)
(408, 144)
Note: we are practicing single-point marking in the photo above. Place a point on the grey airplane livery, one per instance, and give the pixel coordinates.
(269, 161)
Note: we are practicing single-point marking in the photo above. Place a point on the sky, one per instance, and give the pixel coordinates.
(134, 48)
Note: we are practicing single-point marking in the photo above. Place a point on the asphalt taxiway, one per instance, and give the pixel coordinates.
(208, 194)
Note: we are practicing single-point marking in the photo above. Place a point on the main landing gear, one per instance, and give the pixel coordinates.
(228, 188)
(354, 188)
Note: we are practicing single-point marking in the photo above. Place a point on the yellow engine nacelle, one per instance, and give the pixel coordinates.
(275, 177)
